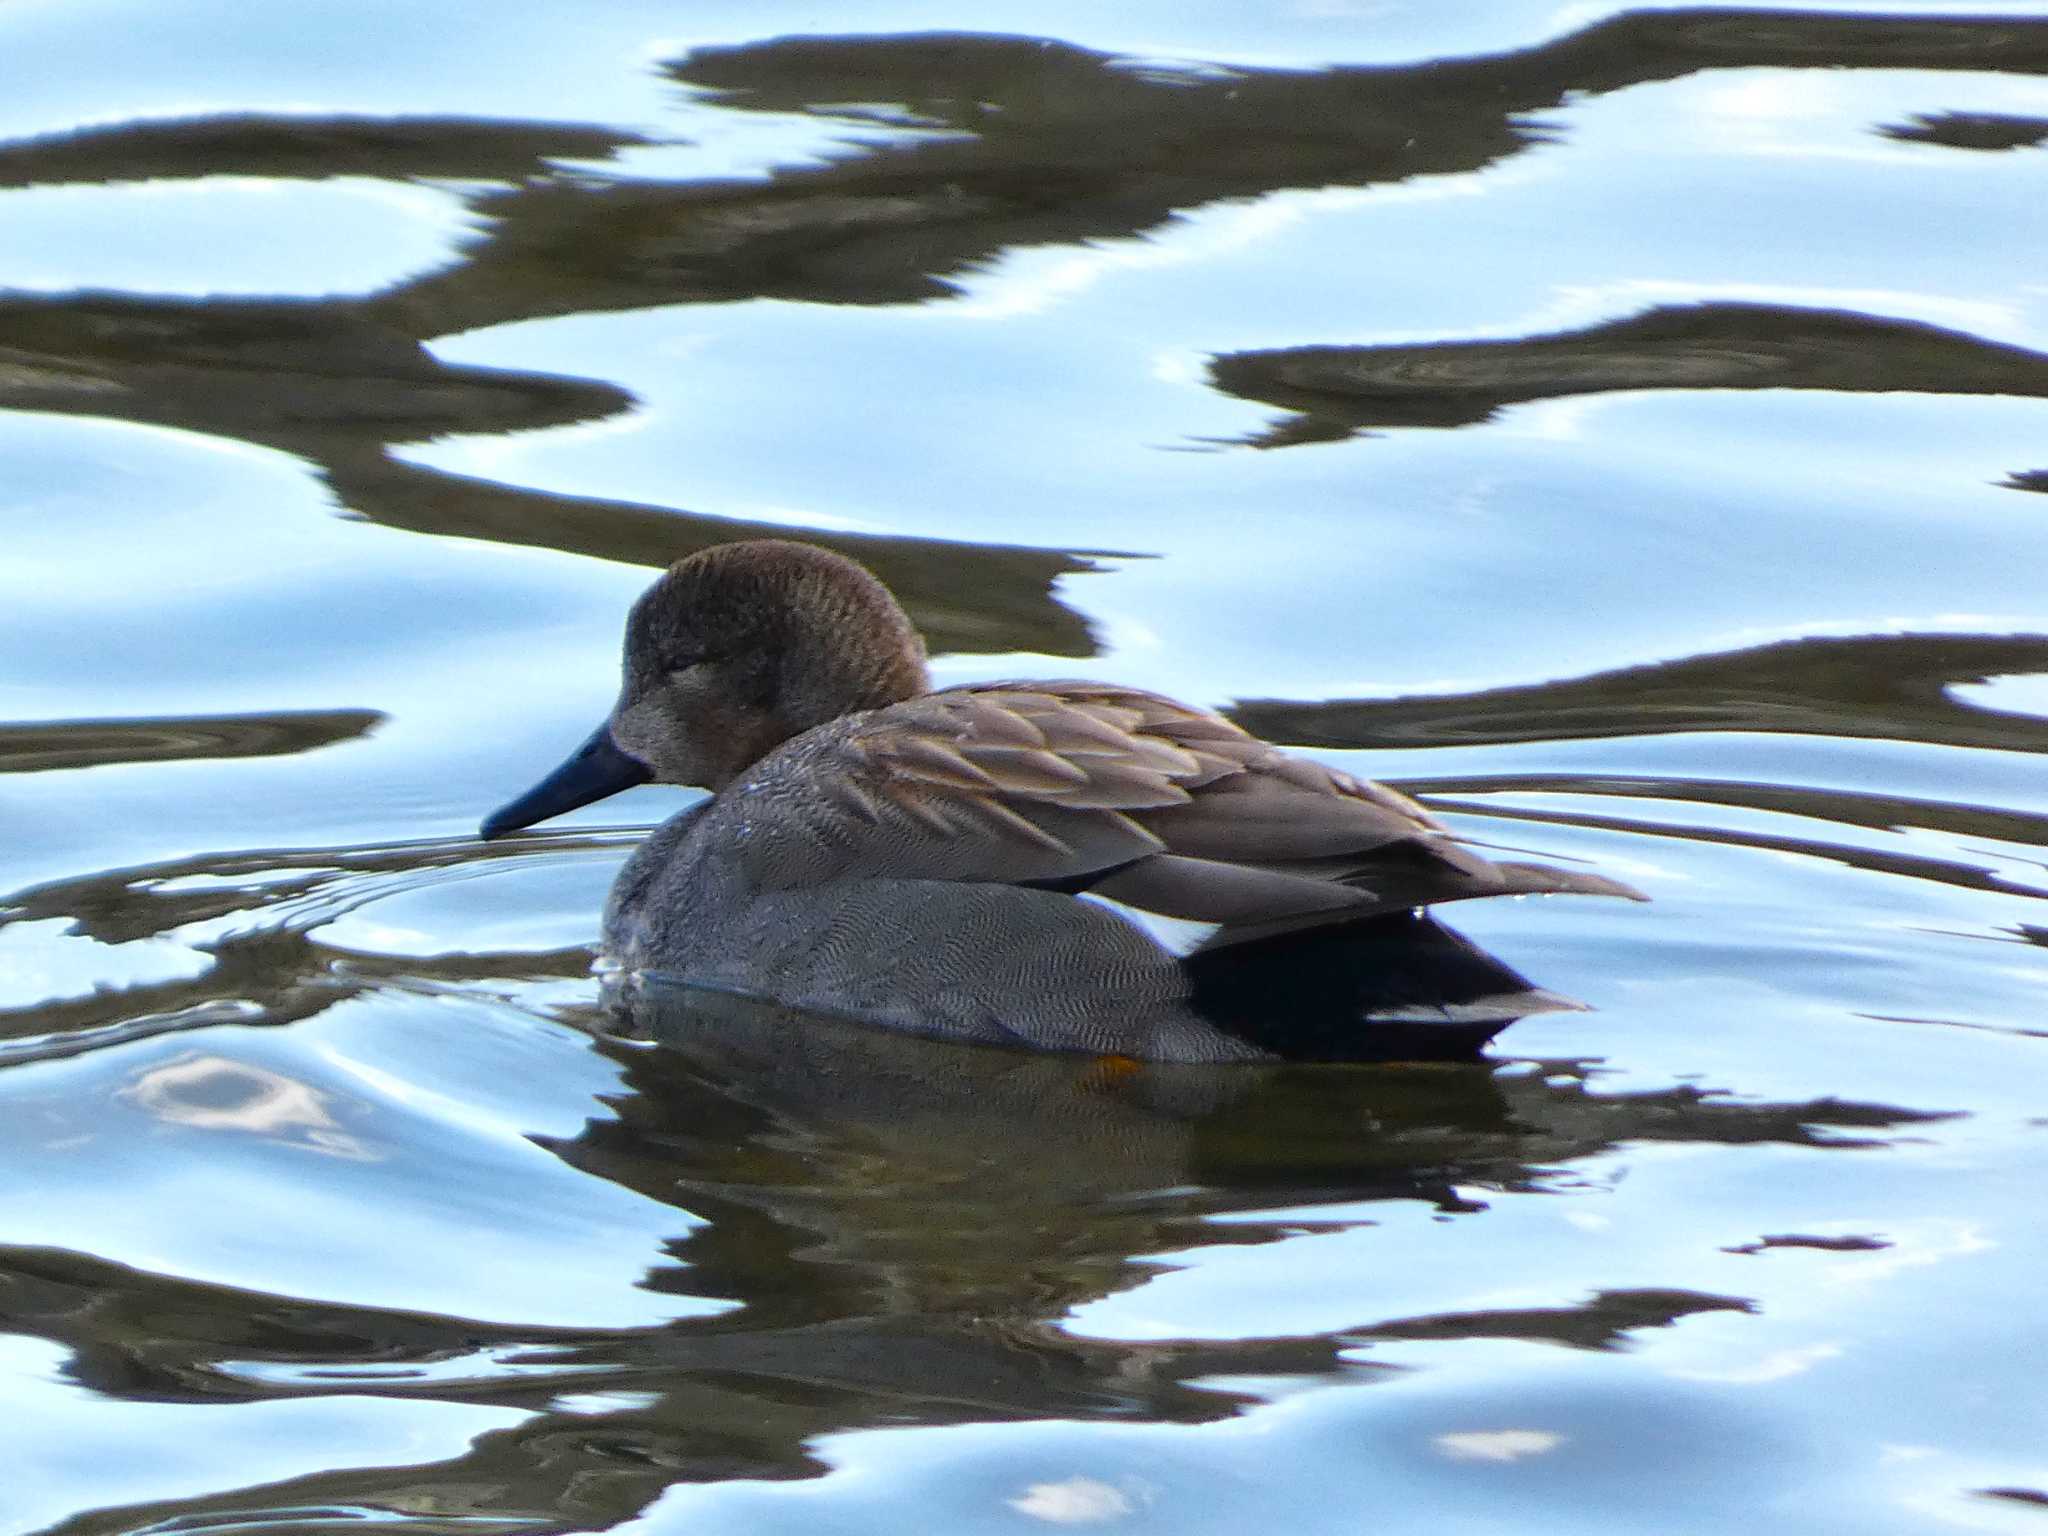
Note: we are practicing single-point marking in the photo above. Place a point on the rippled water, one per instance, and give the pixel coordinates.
(1625, 427)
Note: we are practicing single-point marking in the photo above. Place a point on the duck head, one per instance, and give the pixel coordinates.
(731, 653)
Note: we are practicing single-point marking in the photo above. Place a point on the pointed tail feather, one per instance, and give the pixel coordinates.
(1549, 880)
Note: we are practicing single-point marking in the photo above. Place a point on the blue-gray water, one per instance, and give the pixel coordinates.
(1627, 427)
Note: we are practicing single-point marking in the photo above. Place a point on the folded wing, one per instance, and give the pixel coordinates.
(1081, 787)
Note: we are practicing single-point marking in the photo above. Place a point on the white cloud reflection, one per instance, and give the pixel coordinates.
(1078, 1501)
(1497, 1444)
(215, 1093)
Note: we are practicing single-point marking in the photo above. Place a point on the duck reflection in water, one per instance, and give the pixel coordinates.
(973, 863)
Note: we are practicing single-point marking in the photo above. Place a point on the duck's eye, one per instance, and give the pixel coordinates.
(695, 671)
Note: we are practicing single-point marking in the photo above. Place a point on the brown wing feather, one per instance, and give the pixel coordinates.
(1158, 804)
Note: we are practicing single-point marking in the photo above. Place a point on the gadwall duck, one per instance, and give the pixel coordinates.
(974, 863)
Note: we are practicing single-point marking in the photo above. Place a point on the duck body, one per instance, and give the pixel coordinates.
(976, 863)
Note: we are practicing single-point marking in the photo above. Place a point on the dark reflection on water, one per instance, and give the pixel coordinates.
(1851, 1244)
(1044, 142)
(338, 386)
(1081, 143)
(1604, 1322)
(1336, 391)
(899, 1261)
(269, 966)
(302, 376)
(51, 745)
(964, 597)
(1884, 687)
(311, 146)
(1970, 130)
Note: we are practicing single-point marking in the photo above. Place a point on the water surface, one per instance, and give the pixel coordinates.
(1624, 427)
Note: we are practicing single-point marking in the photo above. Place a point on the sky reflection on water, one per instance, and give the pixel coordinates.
(1623, 426)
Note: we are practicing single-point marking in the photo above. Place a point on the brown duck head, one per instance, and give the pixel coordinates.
(731, 653)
